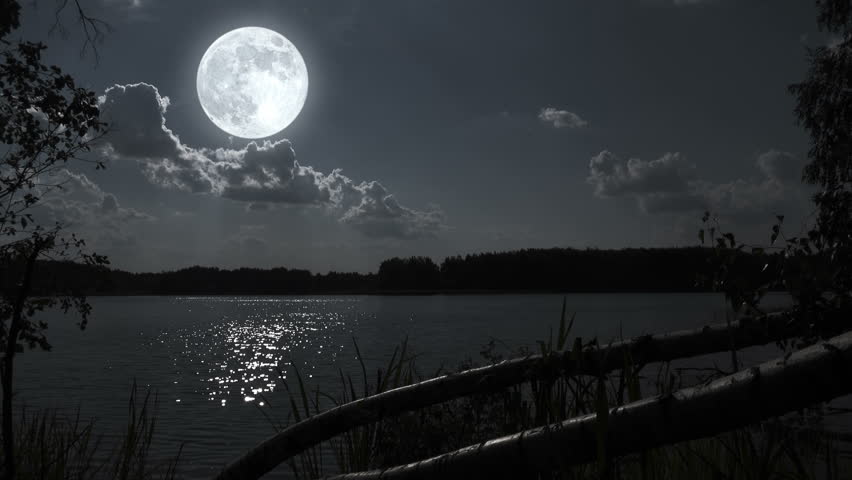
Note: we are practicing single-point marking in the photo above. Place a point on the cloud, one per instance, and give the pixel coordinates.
(131, 10)
(125, 3)
(264, 173)
(561, 118)
(781, 166)
(613, 177)
(378, 214)
(669, 185)
(81, 205)
(257, 207)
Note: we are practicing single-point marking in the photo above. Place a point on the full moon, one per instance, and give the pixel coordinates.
(252, 82)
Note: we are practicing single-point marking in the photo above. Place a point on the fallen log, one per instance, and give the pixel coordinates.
(641, 350)
(815, 374)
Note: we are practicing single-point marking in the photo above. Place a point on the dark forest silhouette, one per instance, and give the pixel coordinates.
(529, 270)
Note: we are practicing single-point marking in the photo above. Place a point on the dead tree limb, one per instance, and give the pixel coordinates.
(815, 374)
(642, 350)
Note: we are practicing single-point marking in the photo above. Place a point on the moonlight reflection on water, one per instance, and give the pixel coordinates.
(238, 358)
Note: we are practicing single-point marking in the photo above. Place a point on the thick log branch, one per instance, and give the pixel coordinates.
(646, 349)
(815, 374)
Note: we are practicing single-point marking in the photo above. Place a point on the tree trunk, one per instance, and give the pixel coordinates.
(7, 369)
(647, 349)
(8, 440)
(815, 374)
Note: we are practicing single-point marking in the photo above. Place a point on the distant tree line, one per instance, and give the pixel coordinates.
(529, 270)
(200, 281)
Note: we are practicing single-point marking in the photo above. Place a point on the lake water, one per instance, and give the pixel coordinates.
(211, 358)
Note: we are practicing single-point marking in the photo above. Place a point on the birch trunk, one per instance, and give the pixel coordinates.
(815, 374)
(646, 349)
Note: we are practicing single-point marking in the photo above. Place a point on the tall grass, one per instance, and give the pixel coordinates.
(51, 446)
(356, 449)
(785, 448)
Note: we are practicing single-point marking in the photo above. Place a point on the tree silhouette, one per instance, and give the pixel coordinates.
(529, 270)
(815, 267)
(46, 122)
(413, 273)
(824, 109)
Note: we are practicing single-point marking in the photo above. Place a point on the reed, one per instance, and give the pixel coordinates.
(53, 446)
(792, 447)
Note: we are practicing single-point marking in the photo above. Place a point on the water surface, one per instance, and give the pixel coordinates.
(214, 361)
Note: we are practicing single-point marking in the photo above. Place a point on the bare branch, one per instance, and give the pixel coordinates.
(94, 29)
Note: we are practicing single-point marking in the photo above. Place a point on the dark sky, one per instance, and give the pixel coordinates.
(458, 126)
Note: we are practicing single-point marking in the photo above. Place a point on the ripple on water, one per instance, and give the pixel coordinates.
(239, 356)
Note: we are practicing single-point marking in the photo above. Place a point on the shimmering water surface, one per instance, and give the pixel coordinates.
(214, 361)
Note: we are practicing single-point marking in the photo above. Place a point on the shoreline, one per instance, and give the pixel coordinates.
(405, 293)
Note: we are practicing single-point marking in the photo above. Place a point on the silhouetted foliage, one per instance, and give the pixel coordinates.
(530, 270)
(572, 270)
(10, 12)
(413, 273)
(815, 267)
(46, 121)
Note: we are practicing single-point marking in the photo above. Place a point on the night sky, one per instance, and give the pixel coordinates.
(440, 127)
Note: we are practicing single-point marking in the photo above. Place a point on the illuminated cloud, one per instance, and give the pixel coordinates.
(561, 118)
(612, 176)
(261, 173)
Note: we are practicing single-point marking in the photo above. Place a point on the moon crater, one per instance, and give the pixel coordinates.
(252, 82)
